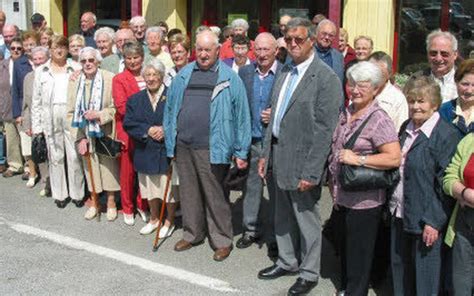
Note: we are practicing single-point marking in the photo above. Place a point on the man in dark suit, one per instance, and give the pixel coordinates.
(258, 79)
(305, 101)
(324, 37)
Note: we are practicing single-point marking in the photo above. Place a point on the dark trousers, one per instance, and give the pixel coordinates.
(204, 203)
(253, 194)
(416, 268)
(358, 237)
(463, 254)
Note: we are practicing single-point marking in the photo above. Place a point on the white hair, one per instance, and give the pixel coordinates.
(155, 64)
(438, 33)
(240, 23)
(213, 36)
(41, 49)
(216, 30)
(365, 71)
(109, 32)
(92, 50)
(325, 22)
(137, 20)
(154, 29)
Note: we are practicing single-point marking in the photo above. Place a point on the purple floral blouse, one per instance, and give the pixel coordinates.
(379, 130)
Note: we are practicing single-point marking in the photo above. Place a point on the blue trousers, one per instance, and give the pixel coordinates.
(416, 268)
(2, 147)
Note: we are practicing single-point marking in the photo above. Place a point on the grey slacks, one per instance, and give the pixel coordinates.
(298, 230)
(14, 158)
(204, 203)
(253, 194)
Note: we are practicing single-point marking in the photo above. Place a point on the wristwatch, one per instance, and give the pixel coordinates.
(362, 160)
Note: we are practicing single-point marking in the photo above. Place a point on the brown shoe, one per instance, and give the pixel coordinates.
(182, 245)
(222, 253)
(3, 168)
(9, 173)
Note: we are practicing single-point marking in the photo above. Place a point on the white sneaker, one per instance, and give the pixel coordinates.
(31, 183)
(111, 214)
(143, 215)
(149, 228)
(166, 231)
(129, 219)
(90, 213)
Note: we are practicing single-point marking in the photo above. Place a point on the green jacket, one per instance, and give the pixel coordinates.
(455, 172)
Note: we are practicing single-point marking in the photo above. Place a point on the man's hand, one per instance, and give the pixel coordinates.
(82, 146)
(261, 168)
(265, 115)
(92, 115)
(19, 120)
(430, 235)
(241, 163)
(304, 185)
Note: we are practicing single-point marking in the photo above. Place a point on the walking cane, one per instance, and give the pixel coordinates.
(95, 197)
(162, 210)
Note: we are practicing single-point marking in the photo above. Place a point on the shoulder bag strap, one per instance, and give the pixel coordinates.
(350, 143)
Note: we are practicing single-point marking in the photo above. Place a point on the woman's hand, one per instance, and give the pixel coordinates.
(83, 146)
(156, 133)
(92, 115)
(347, 156)
(430, 235)
(468, 198)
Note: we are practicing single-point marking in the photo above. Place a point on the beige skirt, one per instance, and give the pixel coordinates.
(153, 186)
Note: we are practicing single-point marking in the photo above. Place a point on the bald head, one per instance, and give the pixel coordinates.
(9, 32)
(207, 49)
(122, 36)
(265, 51)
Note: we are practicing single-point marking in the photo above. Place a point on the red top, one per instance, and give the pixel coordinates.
(123, 86)
(226, 50)
(469, 173)
(350, 55)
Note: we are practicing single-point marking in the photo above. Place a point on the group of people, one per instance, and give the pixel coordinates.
(289, 111)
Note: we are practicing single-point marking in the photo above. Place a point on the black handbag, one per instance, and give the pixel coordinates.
(108, 147)
(39, 150)
(360, 178)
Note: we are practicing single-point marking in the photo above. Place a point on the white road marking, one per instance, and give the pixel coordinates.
(165, 270)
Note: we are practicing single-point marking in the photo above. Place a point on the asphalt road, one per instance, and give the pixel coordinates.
(49, 251)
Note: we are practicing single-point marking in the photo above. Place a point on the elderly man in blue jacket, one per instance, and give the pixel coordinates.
(207, 124)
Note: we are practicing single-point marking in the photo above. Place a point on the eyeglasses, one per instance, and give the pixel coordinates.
(444, 54)
(90, 60)
(15, 48)
(298, 40)
(328, 35)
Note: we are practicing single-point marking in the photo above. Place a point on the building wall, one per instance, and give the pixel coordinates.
(171, 11)
(52, 11)
(373, 18)
(20, 17)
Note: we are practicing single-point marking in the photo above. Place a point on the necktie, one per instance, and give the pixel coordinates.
(290, 87)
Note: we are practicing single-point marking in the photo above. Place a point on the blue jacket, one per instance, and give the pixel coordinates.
(425, 163)
(448, 113)
(149, 156)
(337, 62)
(229, 133)
(21, 67)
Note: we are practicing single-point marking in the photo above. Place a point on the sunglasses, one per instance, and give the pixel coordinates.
(298, 40)
(90, 60)
(14, 48)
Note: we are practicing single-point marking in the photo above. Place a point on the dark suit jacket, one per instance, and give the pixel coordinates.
(149, 156)
(21, 67)
(247, 73)
(306, 127)
(425, 163)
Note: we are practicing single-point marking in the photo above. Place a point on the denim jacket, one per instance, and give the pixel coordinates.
(230, 131)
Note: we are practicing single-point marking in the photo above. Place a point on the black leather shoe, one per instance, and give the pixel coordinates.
(301, 287)
(61, 203)
(273, 272)
(78, 203)
(245, 241)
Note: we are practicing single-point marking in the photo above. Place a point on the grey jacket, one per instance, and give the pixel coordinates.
(306, 127)
(5, 92)
(27, 95)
